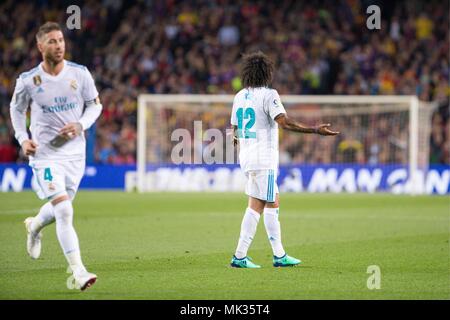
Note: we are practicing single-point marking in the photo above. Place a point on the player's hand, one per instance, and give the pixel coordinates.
(235, 140)
(233, 135)
(71, 130)
(29, 147)
(324, 131)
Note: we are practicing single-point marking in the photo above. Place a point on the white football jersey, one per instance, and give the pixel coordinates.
(254, 111)
(55, 102)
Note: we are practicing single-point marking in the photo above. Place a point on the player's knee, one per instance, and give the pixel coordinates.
(64, 212)
(256, 204)
(71, 194)
(59, 199)
(273, 205)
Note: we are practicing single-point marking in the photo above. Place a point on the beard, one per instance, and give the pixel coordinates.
(54, 58)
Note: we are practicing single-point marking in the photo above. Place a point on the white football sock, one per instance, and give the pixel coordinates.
(74, 260)
(45, 216)
(273, 230)
(67, 236)
(248, 230)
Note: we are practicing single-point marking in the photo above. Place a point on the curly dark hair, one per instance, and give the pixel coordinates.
(256, 70)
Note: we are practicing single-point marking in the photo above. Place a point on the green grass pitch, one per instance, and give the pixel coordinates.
(178, 246)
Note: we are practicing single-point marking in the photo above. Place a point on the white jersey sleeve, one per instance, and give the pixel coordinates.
(274, 105)
(89, 91)
(18, 108)
(90, 114)
(93, 106)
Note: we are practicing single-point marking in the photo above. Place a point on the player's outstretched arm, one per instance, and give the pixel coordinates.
(288, 124)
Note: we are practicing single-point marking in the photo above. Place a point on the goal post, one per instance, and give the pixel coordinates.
(390, 133)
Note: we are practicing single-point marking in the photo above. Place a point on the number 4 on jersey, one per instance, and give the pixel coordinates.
(47, 174)
(247, 113)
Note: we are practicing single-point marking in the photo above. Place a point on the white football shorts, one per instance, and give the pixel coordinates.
(262, 184)
(57, 178)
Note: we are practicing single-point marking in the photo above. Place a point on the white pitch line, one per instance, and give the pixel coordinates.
(363, 217)
(21, 211)
(333, 216)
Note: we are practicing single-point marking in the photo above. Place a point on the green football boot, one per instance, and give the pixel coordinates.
(285, 261)
(243, 263)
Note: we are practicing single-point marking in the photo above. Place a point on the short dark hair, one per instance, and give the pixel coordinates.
(256, 70)
(46, 28)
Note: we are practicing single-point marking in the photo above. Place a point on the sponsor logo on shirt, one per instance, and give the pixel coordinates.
(61, 105)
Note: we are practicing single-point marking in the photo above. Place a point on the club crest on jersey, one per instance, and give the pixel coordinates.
(73, 84)
(37, 80)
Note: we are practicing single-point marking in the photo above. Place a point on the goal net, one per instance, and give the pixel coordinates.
(184, 144)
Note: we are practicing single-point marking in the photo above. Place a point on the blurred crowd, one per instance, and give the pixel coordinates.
(380, 137)
(194, 46)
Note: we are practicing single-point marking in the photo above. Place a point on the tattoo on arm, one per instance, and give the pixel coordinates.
(289, 124)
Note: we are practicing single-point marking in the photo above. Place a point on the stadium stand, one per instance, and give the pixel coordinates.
(319, 47)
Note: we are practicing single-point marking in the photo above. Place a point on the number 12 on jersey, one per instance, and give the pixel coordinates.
(247, 114)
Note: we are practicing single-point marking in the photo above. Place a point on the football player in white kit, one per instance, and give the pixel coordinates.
(56, 91)
(257, 113)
